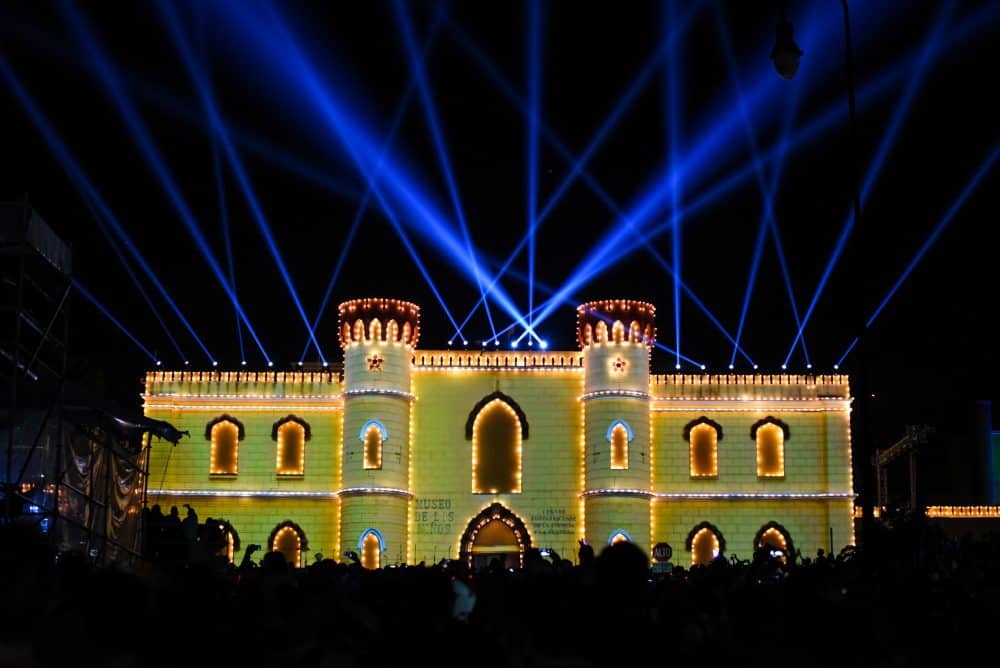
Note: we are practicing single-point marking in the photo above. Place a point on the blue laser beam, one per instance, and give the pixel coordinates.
(397, 119)
(106, 233)
(674, 88)
(89, 192)
(220, 131)
(78, 286)
(220, 189)
(936, 232)
(155, 161)
(534, 60)
(437, 134)
(564, 152)
(427, 220)
(923, 60)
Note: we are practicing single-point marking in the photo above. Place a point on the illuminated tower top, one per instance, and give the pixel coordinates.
(616, 321)
(378, 319)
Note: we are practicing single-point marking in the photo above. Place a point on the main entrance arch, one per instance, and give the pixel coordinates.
(495, 533)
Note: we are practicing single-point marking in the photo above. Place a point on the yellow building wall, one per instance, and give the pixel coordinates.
(807, 522)
(385, 514)
(816, 456)
(549, 503)
(609, 514)
(255, 518)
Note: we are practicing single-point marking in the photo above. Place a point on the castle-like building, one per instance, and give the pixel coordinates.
(414, 455)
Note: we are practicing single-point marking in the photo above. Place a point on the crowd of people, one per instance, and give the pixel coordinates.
(910, 596)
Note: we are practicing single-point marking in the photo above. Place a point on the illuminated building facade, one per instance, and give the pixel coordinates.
(415, 455)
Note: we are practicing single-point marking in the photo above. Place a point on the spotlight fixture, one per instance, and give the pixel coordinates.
(496, 342)
(731, 367)
(784, 367)
(326, 364)
(543, 344)
(187, 362)
(449, 342)
(159, 362)
(513, 344)
(215, 362)
(465, 342)
(270, 364)
(702, 367)
(677, 366)
(809, 366)
(300, 362)
(786, 53)
(836, 366)
(755, 367)
(243, 363)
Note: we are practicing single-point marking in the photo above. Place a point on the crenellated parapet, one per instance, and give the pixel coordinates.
(373, 319)
(616, 321)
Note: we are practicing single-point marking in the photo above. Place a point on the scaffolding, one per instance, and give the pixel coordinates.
(73, 465)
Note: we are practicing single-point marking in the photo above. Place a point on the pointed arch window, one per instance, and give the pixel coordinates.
(619, 436)
(289, 539)
(705, 543)
(371, 545)
(373, 435)
(225, 433)
(496, 427)
(703, 436)
(770, 435)
(291, 434)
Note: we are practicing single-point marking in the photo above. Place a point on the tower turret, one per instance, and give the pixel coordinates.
(378, 337)
(616, 336)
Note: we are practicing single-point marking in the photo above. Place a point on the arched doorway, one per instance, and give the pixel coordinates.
(495, 533)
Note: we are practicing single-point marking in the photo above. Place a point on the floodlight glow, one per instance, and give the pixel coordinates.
(243, 363)
(731, 367)
(270, 363)
(215, 362)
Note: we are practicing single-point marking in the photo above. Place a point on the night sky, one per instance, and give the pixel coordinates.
(925, 74)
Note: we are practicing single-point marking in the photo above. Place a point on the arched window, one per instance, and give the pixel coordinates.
(775, 540)
(375, 330)
(496, 426)
(705, 543)
(289, 539)
(619, 435)
(291, 433)
(359, 330)
(373, 434)
(703, 436)
(370, 546)
(619, 536)
(225, 433)
(770, 435)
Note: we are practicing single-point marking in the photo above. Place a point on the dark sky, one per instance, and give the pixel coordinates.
(928, 67)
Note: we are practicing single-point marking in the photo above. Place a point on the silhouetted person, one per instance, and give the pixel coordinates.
(172, 546)
(153, 532)
(189, 531)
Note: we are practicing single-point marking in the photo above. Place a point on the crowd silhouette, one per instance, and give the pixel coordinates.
(911, 596)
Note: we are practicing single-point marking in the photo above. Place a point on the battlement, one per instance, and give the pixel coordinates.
(244, 384)
(615, 321)
(378, 319)
(749, 386)
(451, 359)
